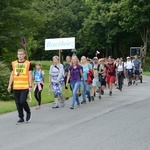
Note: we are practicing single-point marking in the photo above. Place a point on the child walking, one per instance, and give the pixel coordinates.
(38, 77)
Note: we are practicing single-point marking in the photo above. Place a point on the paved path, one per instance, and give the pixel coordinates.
(121, 122)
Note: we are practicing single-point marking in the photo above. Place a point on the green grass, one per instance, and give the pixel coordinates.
(47, 97)
(7, 106)
(146, 73)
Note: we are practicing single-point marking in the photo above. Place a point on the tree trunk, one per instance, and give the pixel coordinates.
(144, 36)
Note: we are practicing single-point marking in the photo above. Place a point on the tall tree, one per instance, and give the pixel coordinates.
(136, 17)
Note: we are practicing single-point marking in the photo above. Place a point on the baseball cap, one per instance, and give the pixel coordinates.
(95, 58)
(102, 59)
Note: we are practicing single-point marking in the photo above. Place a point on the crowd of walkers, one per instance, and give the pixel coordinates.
(85, 78)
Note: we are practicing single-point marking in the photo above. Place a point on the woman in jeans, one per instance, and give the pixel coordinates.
(85, 86)
(56, 80)
(74, 74)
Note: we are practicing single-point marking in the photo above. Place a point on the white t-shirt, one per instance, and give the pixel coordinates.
(129, 65)
(120, 68)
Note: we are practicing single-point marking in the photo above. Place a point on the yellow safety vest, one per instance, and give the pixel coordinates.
(21, 75)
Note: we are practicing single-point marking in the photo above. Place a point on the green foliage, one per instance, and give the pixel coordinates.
(4, 79)
(111, 26)
(147, 65)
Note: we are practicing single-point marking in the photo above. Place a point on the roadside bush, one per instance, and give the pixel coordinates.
(4, 79)
(147, 64)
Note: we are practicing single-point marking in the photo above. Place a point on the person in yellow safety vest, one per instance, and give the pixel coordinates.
(21, 78)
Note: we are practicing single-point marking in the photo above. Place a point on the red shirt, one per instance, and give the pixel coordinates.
(110, 69)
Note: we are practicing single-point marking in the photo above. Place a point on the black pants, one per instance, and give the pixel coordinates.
(37, 94)
(21, 102)
(65, 80)
(120, 79)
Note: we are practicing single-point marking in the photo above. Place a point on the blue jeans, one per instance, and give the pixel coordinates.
(85, 90)
(75, 86)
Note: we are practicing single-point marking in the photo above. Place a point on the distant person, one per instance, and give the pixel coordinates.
(56, 79)
(66, 69)
(110, 74)
(96, 83)
(137, 66)
(75, 75)
(21, 78)
(129, 69)
(120, 74)
(102, 73)
(38, 77)
(85, 86)
(90, 61)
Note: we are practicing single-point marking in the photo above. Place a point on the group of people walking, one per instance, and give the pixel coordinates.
(86, 77)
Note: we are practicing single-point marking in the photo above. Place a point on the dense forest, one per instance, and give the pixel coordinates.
(109, 26)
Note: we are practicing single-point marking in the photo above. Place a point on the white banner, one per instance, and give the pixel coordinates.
(60, 43)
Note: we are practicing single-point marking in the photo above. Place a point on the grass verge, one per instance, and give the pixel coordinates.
(146, 73)
(47, 97)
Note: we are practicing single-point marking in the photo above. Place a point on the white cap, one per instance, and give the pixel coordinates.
(128, 57)
(95, 58)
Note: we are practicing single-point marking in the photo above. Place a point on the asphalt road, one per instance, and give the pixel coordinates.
(120, 122)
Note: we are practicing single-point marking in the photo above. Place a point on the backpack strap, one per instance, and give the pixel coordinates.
(98, 66)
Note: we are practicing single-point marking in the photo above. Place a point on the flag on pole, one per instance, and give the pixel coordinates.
(97, 53)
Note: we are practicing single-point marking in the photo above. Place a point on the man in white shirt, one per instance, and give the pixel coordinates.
(129, 69)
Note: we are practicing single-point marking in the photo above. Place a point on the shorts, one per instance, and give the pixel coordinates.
(96, 82)
(103, 82)
(129, 73)
(137, 72)
(110, 79)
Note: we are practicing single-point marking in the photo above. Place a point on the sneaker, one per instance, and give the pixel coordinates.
(62, 102)
(55, 105)
(71, 107)
(20, 121)
(102, 92)
(78, 105)
(37, 107)
(110, 93)
(94, 94)
(92, 97)
(67, 98)
(83, 102)
(89, 98)
(28, 117)
(130, 82)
